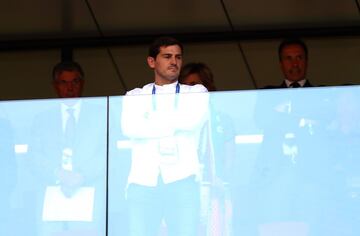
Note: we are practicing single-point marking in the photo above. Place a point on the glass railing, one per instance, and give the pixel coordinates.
(58, 176)
(265, 162)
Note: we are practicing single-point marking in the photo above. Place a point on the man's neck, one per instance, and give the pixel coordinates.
(161, 82)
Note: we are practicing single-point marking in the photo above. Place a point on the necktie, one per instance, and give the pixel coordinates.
(295, 85)
(70, 127)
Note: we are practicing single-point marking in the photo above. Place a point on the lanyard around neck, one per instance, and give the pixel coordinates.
(177, 89)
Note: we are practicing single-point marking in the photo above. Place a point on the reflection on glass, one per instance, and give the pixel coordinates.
(272, 162)
(119, 166)
(68, 150)
(262, 167)
(217, 153)
(295, 183)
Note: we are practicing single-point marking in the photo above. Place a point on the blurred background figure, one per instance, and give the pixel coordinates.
(68, 79)
(217, 151)
(68, 151)
(293, 60)
(291, 147)
(197, 73)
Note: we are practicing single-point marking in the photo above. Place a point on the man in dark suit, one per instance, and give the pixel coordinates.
(293, 56)
(286, 107)
(284, 177)
(280, 106)
(69, 153)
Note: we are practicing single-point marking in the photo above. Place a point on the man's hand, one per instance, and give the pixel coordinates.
(70, 181)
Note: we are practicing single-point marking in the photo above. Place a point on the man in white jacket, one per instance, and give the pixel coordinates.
(164, 125)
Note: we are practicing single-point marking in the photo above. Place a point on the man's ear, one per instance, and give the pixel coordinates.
(151, 62)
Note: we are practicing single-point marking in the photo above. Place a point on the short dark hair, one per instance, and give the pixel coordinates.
(67, 66)
(154, 48)
(202, 70)
(292, 41)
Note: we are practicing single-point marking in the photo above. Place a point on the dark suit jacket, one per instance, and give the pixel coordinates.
(283, 85)
(283, 179)
(88, 159)
(89, 148)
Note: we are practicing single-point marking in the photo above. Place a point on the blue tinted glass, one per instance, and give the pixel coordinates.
(265, 162)
(55, 168)
(270, 162)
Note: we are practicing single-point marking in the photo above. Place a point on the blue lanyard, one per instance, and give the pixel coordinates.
(177, 90)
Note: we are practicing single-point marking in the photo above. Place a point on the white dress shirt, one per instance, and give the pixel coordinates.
(300, 82)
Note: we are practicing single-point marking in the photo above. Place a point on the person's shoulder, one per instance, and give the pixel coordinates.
(197, 88)
(146, 89)
(308, 84)
(134, 91)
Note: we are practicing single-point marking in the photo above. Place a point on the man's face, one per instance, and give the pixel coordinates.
(293, 62)
(192, 79)
(167, 64)
(68, 84)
